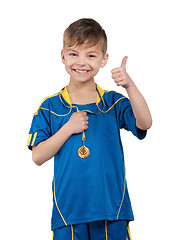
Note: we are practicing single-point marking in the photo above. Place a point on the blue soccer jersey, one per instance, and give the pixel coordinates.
(93, 188)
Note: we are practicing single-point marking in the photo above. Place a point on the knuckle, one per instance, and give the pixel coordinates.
(113, 70)
(83, 114)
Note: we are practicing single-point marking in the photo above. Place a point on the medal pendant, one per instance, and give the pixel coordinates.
(83, 152)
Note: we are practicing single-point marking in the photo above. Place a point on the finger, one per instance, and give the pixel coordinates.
(119, 82)
(83, 113)
(121, 78)
(85, 125)
(85, 118)
(117, 75)
(116, 70)
(124, 60)
(122, 83)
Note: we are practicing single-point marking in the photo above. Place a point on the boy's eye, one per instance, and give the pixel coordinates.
(92, 56)
(73, 54)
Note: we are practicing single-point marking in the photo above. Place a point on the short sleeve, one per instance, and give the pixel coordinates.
(40, 128)
(127, 119)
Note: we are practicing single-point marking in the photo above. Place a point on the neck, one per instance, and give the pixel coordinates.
(81, 87)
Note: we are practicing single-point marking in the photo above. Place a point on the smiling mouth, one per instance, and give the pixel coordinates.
(81, 70)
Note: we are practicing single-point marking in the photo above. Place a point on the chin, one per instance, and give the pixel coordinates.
(82, 80)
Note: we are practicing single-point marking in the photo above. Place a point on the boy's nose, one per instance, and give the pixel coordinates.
(81, 61)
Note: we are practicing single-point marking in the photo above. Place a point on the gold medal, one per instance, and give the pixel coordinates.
(83, 152)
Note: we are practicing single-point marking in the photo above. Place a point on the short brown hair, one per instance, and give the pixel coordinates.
(85, 30)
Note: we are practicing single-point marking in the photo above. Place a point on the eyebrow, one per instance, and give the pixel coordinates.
(89, 52)
(71, 49)
(97, 52)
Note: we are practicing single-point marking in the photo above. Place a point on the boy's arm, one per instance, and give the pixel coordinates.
(45, 150)
(138, 103)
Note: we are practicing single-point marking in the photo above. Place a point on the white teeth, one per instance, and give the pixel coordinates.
(81, 71)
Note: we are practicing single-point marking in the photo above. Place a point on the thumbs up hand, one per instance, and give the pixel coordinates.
(120, 76)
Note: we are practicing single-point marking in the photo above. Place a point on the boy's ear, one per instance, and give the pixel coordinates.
(62, 56)
(105, 59)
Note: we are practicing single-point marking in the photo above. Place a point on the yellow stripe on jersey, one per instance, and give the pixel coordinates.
(101, 91)
(72, 232)
(33, 141)
(129, 233)
(106, 229)
(58, 207)
(65, 95)
(29, 139)
(36, 113)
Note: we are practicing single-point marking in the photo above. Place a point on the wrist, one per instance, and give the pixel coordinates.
(68, 129)
(131, 87)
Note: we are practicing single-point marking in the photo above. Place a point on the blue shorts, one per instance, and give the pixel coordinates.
(100, 230)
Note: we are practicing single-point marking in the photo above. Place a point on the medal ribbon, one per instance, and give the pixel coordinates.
(83, 136)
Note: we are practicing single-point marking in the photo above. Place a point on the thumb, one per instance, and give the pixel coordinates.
(124, 60)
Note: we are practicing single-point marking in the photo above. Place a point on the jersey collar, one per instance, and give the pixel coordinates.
(65, 95)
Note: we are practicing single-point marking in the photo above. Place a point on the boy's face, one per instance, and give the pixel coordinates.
(82, 63)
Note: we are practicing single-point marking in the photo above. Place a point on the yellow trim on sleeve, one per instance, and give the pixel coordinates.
(29, 139)
(33, 141)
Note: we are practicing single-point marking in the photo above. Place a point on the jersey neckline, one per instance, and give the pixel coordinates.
(66, 97)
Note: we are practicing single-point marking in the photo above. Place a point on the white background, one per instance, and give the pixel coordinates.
(31, 69)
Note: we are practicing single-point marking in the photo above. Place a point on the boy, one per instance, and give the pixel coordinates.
(80, 127)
